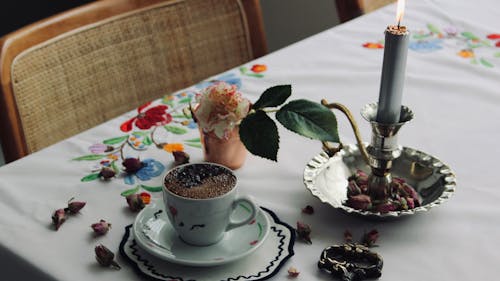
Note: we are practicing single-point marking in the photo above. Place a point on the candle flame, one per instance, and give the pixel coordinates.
(401, 11)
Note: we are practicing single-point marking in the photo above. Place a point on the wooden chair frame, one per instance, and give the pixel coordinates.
(11, 45)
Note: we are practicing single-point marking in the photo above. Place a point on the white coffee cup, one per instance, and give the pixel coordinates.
(203, 222)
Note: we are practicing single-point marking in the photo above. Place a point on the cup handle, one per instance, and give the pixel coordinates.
(253, 212)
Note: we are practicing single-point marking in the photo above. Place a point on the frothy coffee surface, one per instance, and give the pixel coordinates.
(200, 181)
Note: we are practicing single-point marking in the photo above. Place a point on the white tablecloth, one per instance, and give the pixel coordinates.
(452, 85)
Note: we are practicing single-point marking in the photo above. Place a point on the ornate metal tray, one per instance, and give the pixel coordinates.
(326, 178)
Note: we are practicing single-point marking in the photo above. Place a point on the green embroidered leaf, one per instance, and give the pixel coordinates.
(259, 134)
(194, 144)
(469, 35)
(257, 75)
(140, 134)
(309, 119)
(497, 55)
(147, 141)
(152, 188)
(486, 63)
(420, 36)
(90, 157)
(90, 177)
(273, 96)
(243, 70)
(486, 43)
(185, 100)
(168, 100)
(432, 28)
(175, 130)
(115, 140)
(114, 167)
(130, 191)
(193, 140)
(473, 61)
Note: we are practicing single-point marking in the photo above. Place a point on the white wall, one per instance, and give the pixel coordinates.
(288, 21)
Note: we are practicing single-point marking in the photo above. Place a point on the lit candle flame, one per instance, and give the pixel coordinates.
(401, 11)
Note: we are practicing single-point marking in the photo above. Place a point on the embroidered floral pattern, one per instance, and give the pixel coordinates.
(467, 45)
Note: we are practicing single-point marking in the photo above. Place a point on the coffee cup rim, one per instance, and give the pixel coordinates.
(199, 199)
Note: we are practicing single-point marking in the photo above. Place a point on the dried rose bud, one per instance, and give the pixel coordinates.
(135, 202)
(146, 197)
(308, 210)
(360, 202)
(304, 232)
(105, 257)
(107, 173)
(75, 206)
(109, 148)
(347, 236)
(386, 207)
(293, 272)
(180, 157)
(411, 192)
(370, 238)
(410, 202)
(353, 188)
(58, 218)
(132, 165)
(100, 228)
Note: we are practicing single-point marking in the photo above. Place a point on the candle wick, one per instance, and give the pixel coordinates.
(399, 23)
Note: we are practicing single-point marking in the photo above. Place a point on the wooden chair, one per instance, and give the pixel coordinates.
(349, 9)
(75, 70)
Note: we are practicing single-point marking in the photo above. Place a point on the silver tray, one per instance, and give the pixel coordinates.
(326, 178)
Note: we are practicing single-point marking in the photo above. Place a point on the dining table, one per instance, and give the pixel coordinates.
(452, 85)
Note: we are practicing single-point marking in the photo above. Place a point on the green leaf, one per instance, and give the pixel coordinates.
(243, 69)
(176, 130)
(130, 191)
(114, 167)
(194, 144)
(185, 100)
(273, 96)
(257, 75)
(469, 35)
(90, 157)
(309, 119)
(432, 28)
(497, 55)
(140, 134)
(259, 134)
(152, 188)
(90, 177)
(147, 141)
(115, 140)
(193, 140)
(486, 63)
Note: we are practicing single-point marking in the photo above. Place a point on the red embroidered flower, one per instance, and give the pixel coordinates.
(371, 45)
(145, 119)
(258, 68)
(494, 36)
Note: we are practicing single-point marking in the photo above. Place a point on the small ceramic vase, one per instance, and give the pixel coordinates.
(230, 151)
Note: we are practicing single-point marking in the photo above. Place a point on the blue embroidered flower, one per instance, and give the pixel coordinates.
(426, 46)
(230, 78)
(150, 169)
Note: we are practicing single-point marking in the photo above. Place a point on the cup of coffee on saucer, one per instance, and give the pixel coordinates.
(199, 200)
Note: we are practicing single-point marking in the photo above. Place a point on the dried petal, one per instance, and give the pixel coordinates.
(58, 218)
(100, 228)
(360, 202)
(132, 165)
(347, 236)
(105, 257)
(304, 232)
(353, 188)
(293, 272)
(370, 238)
(180, 157)
(107, 173)
(308, 210)
(386, 207)
(75, 206)
(135, 202)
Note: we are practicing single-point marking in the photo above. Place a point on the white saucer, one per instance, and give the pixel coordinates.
(154, 233)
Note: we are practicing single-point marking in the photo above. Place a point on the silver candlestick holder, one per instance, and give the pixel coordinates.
(328, 174)
(383, 149)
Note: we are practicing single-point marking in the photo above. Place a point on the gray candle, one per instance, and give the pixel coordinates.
(393, 74)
